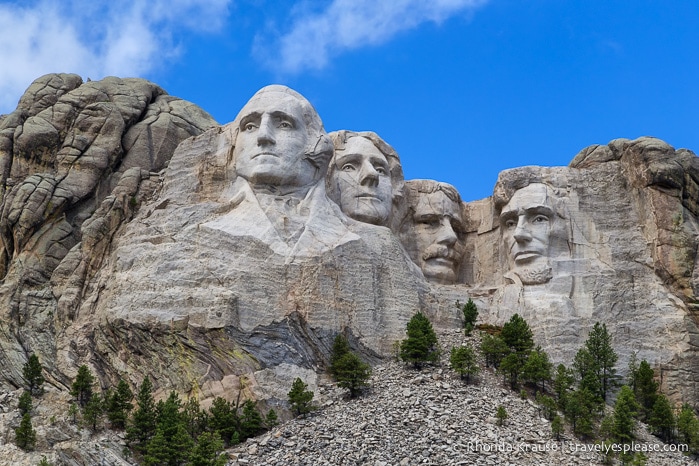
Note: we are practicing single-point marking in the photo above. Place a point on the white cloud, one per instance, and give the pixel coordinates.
(349, 24)
(94, 38)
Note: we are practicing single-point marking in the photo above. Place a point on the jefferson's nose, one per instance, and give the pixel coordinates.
(368, 176)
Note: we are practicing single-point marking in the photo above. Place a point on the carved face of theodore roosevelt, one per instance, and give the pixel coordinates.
(435, 236)
(280, 140)
(532, 229)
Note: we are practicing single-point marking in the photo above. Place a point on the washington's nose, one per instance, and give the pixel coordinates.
(368, 175)
(265, 134)
(447, 235)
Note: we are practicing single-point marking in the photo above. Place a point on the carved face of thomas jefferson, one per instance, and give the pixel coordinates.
(362, 177)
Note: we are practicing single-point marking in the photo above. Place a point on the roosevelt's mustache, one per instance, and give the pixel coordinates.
(442, 252)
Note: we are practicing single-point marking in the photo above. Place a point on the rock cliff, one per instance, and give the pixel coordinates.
(140, 237)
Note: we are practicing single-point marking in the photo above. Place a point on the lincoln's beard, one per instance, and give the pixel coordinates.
(534, 274)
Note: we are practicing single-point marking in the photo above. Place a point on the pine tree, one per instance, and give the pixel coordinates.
(584, 367)
(557, 427)
(93, 411)
(300, 398)
(646, 389)
(340, 348)
(208, 451)
(599, 346)
(25, 436)
(580, 409)
(25, 404)
(352, 373)
(511, 368)
(196, 420)
(537, 369)
(81, 389)
(548, 405)
(118, 405)
(562, 384)
(470, 313)
(688, 428)
(143, 422)
(421, 345)
(494, 349)
(251, 423)
(32, 372)
(156, 450)
(662, 419)
(271, 420)
(625, 409)
(501, 415)
(517, 335)
(463, 361)
(223, 418)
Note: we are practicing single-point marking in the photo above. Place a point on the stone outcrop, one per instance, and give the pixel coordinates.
(141, 238)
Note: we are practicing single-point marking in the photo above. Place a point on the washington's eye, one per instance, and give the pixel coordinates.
(249, 127)
(348, 167)
(285, 124)
(540, 219)
(510, 223)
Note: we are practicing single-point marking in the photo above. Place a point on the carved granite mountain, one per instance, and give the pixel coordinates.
(141, 238)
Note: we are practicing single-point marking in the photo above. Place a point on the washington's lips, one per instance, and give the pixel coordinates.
(264, 153)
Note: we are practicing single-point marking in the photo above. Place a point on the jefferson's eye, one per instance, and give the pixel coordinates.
(348, 167)
(380, 170)
(510, 223)
(540, 219)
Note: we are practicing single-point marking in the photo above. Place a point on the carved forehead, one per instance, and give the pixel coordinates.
(275, 103)
(533, 196)
(359, 145)
(436, 203)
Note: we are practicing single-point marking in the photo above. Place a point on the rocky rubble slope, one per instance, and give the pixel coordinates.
(426, 417)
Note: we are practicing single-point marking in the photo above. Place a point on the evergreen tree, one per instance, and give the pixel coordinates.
(81, 389)
(143, 422)
(501, 415)
(470, 313)
(587, 375)
(463, 361)
(196, 420)
(300, 398)
(494, 349)
(223, 418)
(646, 389)
(688, 428)
(44, 461)
(93, 411)
(511, 367)
(517, 335)
(352, 373)
(562, 384)
(157, 450)
(208, 451)
(599, 346)
(25, 404)
(625, 409)
(557, 427)
(73, 412)
(32, 372)
(548, 405)
(662, 419)
(25, 436)
(340, 348)
(118, 405)
(421, 345)
(271, 420)
(580, 410)
(537, 368)
(251, 423)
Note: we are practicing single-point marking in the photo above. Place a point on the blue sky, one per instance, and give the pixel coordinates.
(461, 88)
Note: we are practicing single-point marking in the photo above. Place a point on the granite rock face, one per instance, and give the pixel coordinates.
(141, 238)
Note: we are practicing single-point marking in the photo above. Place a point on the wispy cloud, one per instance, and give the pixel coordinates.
(94, 38)
(314, 38)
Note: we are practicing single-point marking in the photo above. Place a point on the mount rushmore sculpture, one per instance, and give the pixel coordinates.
(141, 238)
